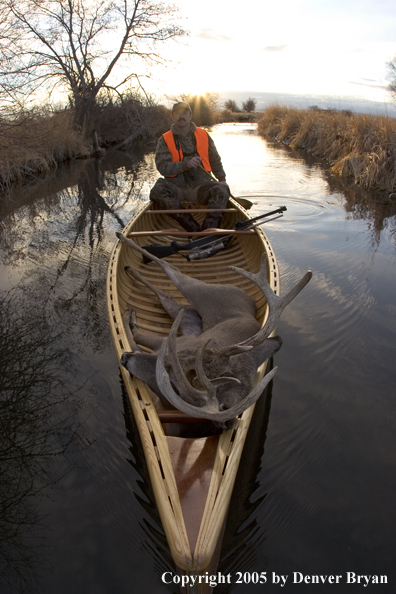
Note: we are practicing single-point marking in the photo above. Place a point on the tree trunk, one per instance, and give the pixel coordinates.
(82, 112)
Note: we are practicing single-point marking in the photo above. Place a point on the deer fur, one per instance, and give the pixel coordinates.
(210, 370)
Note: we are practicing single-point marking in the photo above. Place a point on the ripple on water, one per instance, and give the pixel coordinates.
(297, 207)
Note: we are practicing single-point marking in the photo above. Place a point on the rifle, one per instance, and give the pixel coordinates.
(208, 246)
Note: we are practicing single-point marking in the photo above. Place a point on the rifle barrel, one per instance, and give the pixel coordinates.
(242, 224)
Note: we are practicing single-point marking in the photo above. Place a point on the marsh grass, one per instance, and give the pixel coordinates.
(33, 144)
(358, 146)
(226, 115)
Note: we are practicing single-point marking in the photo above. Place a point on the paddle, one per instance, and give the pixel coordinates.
(247, 204)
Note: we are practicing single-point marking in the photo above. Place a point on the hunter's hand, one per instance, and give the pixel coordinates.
(194, 162)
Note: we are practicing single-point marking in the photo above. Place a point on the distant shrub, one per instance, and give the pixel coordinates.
(232, 106)
(128, 120)
(249, 105)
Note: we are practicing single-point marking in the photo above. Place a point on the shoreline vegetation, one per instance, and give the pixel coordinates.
(355, 146)
(360, 147)
(36, 143)
(33, 144)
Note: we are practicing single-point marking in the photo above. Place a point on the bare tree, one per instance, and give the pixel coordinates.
(392, 77)
(232, 105)
(80, 46)
(249, 105)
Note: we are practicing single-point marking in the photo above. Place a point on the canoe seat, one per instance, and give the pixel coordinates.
(176, 416)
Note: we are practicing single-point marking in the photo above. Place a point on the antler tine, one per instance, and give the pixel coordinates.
(209, 411)
(205, 381)
(185, 387)
(276, 304)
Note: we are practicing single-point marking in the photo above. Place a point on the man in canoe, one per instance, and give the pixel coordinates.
(185, 155)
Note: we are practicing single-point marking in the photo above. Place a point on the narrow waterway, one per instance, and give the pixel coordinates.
(315, 494)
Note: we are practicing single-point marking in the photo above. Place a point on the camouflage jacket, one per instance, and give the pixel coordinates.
(184, 176)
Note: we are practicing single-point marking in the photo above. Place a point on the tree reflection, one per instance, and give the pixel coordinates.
(360, 204)
(67, 237)
(55, 246)
(155, 541)
(37, 422)
(244, 532)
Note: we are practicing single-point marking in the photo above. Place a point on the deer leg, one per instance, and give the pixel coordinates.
(136, 337)
(126, 318)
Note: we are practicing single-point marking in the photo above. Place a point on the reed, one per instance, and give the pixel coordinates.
(35, 143)
(359, 146)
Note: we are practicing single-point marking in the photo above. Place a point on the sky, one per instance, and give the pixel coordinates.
(315, 47)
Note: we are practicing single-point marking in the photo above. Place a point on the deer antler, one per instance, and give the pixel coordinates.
(210, 410)
(276, 304)
(182, 381)
(204, 380)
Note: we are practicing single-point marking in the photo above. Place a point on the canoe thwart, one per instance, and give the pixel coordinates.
(190, 210)
(181, 233)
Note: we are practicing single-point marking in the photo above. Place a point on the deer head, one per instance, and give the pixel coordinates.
(211, 375)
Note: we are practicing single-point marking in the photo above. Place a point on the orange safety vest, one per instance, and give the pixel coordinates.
(202, 140)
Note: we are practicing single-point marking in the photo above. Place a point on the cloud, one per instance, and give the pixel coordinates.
(275, 48)
(212, 35)
(366, 82)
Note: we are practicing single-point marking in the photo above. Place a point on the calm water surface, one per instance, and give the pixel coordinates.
(316, 491)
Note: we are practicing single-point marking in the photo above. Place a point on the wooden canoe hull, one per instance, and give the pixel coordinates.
(192, 507)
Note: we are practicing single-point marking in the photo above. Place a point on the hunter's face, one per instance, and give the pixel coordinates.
(181, 118)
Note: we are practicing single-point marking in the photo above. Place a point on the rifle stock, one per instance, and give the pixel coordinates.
(160, 251)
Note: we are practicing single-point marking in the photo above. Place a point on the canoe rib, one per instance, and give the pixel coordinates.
(121, 294)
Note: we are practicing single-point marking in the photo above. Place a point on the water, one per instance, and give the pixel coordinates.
(315, 494)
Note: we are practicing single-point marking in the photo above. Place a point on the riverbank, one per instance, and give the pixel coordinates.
(358, 146)
(34, 144)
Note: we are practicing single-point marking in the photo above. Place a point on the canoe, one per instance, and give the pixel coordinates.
(192, 477)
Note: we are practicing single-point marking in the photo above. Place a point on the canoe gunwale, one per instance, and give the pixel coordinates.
(154, 440)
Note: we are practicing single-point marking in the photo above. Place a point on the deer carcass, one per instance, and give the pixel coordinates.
(209, 371)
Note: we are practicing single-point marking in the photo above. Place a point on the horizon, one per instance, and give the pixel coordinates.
(264, 99)
(330, 49)
(355, 103)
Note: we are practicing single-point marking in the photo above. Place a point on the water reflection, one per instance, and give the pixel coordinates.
(372, 206)
(330, 441)
(155, 540)
(53, 238)
(38, 423)
(244, 534)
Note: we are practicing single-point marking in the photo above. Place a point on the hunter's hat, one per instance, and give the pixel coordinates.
(181, 105)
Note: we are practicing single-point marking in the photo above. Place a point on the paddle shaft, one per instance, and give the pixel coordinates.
(242, 201)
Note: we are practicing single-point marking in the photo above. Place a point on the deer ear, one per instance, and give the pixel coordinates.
(266, 350)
